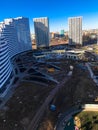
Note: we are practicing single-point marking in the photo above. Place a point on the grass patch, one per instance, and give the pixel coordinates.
(89, 120)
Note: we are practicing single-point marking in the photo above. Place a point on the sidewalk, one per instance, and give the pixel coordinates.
(92, 74)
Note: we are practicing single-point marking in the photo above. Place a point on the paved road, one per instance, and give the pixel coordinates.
(66, 116)
(92, 74)
(35, 121)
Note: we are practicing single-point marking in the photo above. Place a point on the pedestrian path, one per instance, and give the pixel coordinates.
(67, 122)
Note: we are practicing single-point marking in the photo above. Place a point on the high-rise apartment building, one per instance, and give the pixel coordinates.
(18, 36)
(75, 30)
(41, 26)
(14, 39)
(5, 64)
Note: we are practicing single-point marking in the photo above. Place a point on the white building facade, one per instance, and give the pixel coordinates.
(75, 30)
(41, 26)
(14, 39)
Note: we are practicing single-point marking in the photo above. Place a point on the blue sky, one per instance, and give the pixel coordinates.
(58, 11)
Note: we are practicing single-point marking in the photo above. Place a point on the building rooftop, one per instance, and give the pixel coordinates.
(40, 18)
(75, 17)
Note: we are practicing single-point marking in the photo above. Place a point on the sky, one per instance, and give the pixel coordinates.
(57, 11)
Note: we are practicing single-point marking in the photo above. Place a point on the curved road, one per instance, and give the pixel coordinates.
(66, 116)
(35, 121)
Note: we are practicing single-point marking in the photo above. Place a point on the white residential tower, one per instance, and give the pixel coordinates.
(41, 26)
(75, 30)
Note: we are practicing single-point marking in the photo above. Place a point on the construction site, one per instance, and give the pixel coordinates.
(43, 85)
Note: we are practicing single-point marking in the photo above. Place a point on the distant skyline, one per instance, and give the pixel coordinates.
(57, 11)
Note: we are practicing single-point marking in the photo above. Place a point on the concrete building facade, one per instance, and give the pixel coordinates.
(41, 26)
(75, 30)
